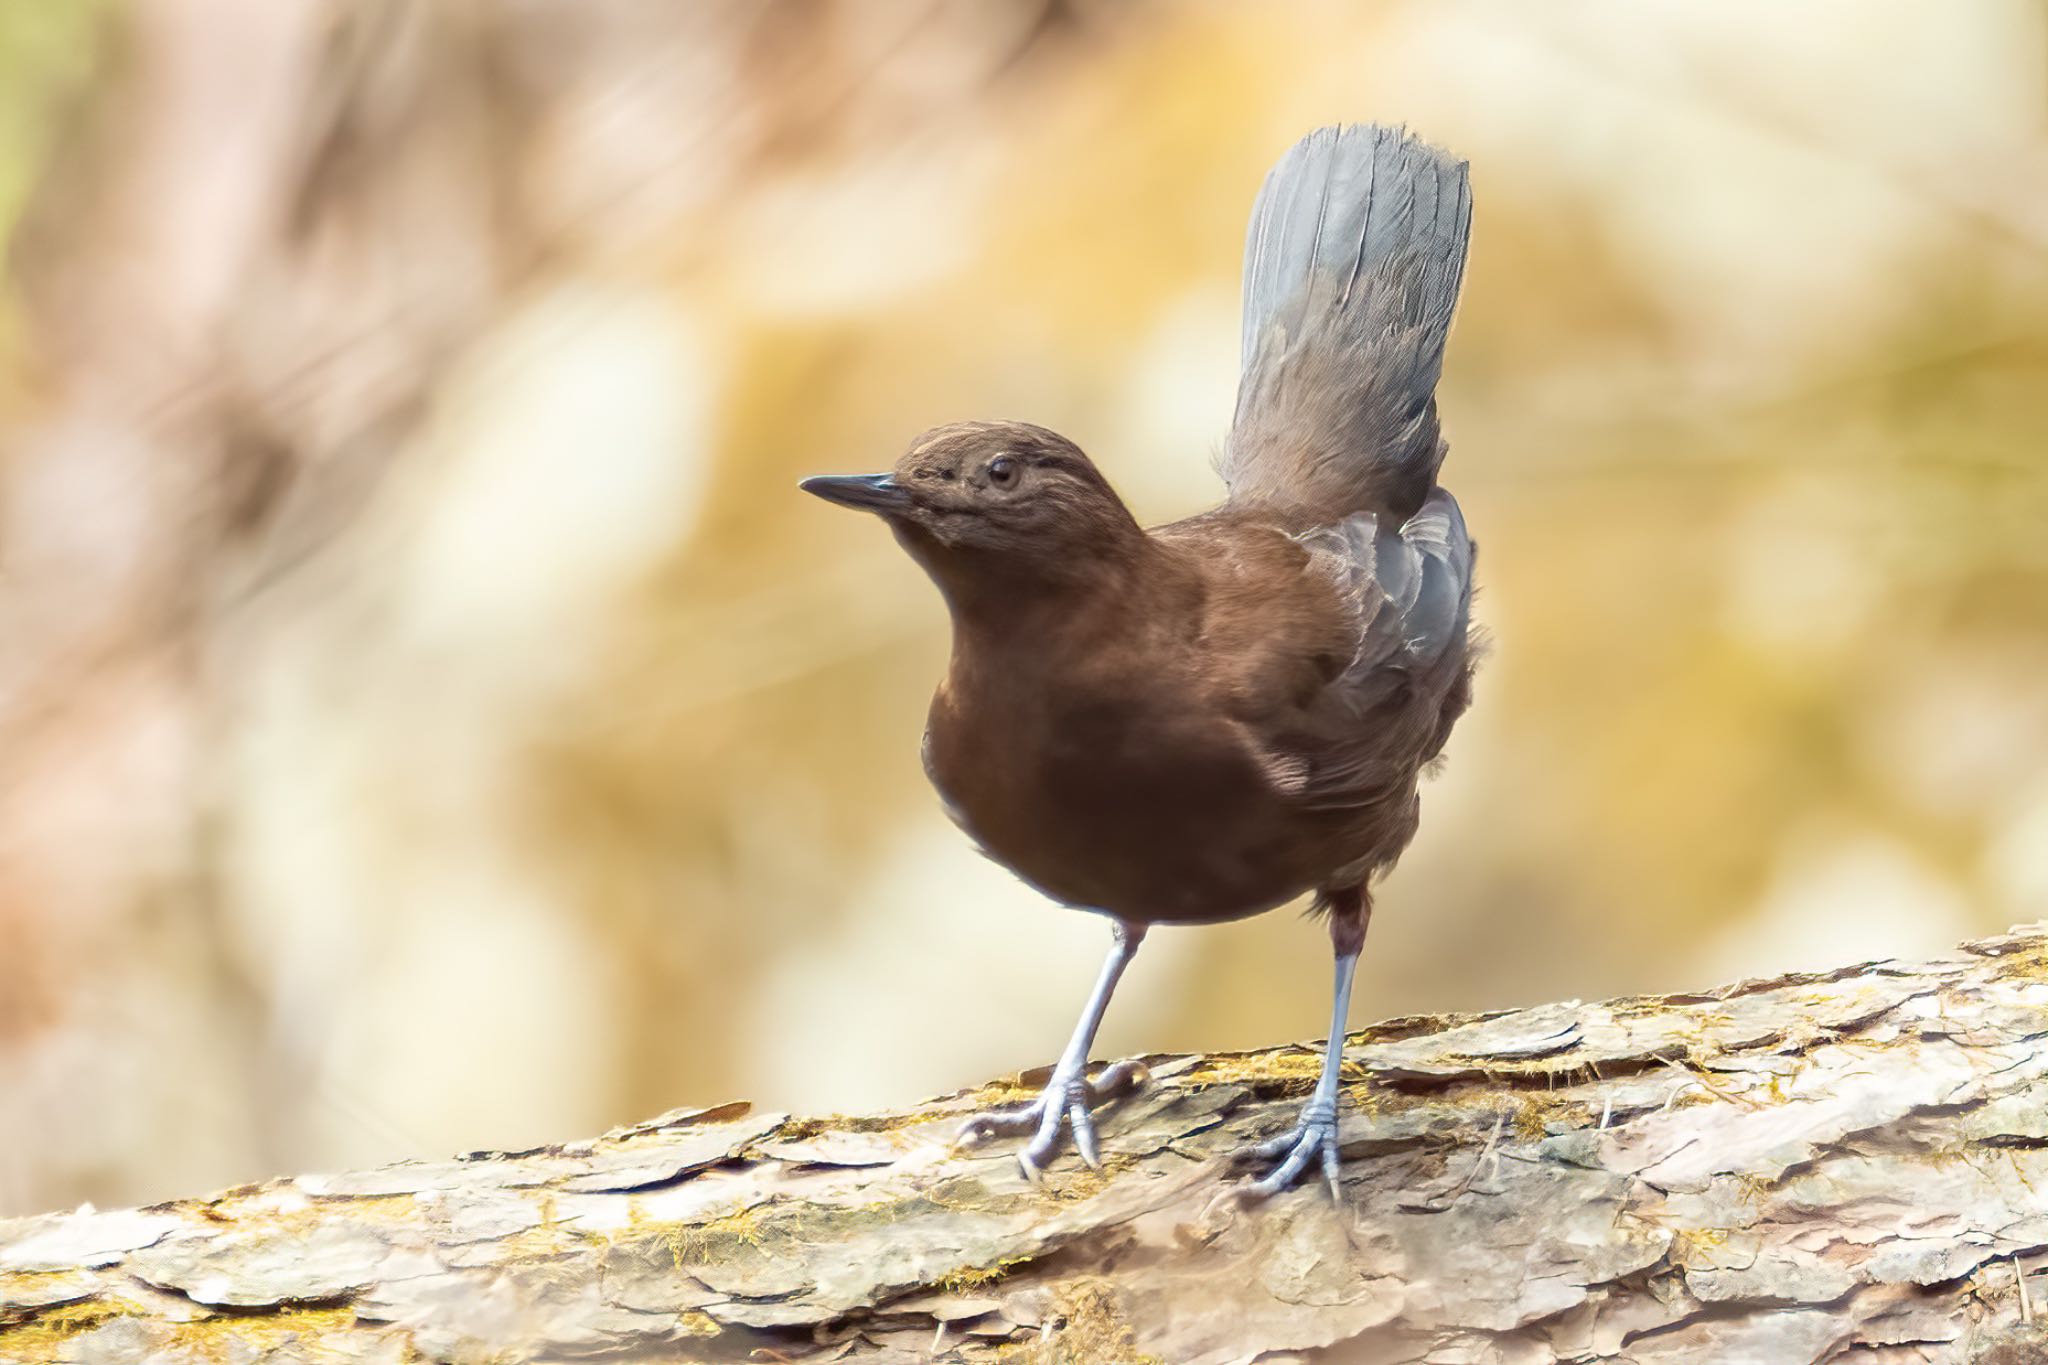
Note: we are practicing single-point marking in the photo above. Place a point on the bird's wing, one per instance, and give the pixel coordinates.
(1353, 259)
(1407, 594)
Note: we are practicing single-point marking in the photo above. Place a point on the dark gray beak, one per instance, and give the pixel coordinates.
(868, 492)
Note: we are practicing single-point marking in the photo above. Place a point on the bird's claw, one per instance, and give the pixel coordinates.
(1068, 1099)
(1315, 1136)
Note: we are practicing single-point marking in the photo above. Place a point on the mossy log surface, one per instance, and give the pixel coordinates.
(1849, 1166)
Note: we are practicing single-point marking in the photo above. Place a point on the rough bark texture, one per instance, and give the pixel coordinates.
(1843, 1167)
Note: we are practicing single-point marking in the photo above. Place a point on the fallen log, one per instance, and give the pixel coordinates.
(1849, 1166)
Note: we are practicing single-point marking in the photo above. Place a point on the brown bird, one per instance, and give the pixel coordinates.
(1205, 720)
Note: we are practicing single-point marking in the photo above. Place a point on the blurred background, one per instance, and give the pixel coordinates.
(430, 719)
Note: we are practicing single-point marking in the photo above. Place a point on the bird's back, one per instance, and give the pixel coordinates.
(1341, 656)
(1351, 671)
(1353, 262)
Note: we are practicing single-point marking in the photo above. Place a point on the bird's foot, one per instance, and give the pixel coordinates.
(1068, 1098)
(1313, 1137)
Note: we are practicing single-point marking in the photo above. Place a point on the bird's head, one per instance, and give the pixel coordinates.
(989, 507)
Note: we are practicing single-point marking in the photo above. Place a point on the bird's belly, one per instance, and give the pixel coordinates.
(1140, 817)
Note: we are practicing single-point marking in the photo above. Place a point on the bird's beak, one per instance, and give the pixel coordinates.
(868, 492)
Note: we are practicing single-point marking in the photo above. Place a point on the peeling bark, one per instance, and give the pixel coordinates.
(1839, 1167)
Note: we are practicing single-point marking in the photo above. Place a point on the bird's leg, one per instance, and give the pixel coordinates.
(1069, 1094)
(1314, 1135)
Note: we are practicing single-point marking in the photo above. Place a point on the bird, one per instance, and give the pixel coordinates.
(1206, 720)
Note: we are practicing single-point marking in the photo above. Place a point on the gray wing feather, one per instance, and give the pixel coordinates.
(1411, 587)
(1390, 708)
(1353, 262)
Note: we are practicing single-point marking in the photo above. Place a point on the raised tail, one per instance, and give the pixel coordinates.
(1351, 271)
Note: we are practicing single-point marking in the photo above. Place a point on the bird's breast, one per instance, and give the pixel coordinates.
(1121, 795)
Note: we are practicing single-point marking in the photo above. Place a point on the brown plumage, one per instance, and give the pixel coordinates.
(1204, 720)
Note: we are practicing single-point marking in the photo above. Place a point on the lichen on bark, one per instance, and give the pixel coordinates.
(1848, 1166)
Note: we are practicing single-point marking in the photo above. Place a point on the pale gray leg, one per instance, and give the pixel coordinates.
(1316, 1131)
(1070, 1094)
(1314, 1135)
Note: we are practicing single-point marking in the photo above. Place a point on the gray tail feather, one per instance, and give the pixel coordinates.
(1351, 271)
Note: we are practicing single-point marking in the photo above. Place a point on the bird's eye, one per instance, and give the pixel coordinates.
(1002, 471)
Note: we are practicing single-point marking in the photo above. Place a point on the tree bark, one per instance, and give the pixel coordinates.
(1842, 1167)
